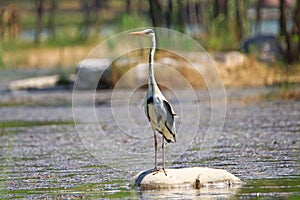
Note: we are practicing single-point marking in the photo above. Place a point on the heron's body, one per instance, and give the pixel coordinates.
(158, 110)
(160, 115)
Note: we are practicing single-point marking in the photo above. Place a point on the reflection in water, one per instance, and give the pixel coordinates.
(179, 193)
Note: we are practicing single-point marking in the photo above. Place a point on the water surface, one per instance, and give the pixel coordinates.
(42, 156)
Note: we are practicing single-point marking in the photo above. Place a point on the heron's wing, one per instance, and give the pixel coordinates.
(170, 117)
(169, 108)
(148, 101)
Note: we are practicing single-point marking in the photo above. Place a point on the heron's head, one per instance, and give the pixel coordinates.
(146, 32)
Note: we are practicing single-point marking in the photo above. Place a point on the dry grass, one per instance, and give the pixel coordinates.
(243, 73)
(50, 57)
(247, 72)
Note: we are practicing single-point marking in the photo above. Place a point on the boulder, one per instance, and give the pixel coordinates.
(195, 177)
(93, 73)
(266, 46)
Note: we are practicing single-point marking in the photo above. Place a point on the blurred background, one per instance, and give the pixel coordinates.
(29, 28)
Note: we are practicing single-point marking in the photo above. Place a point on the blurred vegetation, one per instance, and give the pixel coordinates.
(6, 124)
(217, 24)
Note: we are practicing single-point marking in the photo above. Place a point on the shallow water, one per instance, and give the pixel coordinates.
(259, 143)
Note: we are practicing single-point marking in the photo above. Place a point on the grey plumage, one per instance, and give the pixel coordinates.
(161, 115)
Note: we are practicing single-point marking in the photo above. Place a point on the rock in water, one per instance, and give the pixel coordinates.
(195, 177)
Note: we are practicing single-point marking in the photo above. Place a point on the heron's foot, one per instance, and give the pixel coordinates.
(155, 171)
(164, 171)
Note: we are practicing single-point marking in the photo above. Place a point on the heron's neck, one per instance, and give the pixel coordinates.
(151, 81)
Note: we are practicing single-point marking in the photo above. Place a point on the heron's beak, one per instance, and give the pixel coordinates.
(142, 33)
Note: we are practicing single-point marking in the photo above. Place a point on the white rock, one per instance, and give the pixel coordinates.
(195, 177)
(34, 83)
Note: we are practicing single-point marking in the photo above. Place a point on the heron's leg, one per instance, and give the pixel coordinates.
(155, 144)
(163, 155)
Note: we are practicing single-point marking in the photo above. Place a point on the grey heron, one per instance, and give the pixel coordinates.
(158, 110)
